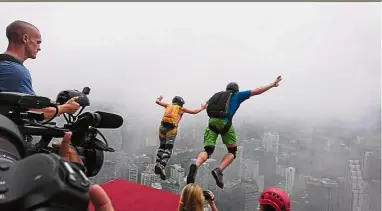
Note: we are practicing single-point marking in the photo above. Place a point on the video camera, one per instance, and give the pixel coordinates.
(206, 194)
(40, 179)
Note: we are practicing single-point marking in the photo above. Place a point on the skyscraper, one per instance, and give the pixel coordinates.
(290, 177)
(177, 173)
(148, 177)
(271, 143)
(366, 160)
(322, 194)
(251, 193)
(250, 169)
(132, 174)
(356, 190)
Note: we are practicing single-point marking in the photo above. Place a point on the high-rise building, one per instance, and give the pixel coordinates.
(271, 143)
(251, 194)
(331, 194)
(132, 174)
(250, 169)
(290, 173)
(322, 194)
(148, 176)
(366, 160)
(356, 190)
(177, 173)
(175, 182)
(375, 195)
(364, 199)
(142, 162)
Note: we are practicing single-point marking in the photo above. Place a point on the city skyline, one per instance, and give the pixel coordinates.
(317, 190)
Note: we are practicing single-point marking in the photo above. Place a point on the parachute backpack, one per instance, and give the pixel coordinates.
(218, 105)
(218, 108)
(171, 115)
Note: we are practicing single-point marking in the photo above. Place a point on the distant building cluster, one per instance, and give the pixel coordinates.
(303, 172)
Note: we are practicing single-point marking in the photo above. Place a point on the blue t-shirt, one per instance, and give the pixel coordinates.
(236, 100)
(15, 77)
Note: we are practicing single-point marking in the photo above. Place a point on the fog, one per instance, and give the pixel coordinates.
(329, 54)
(325, 114)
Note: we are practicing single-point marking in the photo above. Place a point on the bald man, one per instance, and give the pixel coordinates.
(24, 41)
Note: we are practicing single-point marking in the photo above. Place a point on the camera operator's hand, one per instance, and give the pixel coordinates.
(212, 196)
(211, 201)
(70, 107)
(66, 151)
(98, 196)
(100, 199)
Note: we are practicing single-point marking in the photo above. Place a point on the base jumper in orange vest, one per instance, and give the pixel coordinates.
(168, 130)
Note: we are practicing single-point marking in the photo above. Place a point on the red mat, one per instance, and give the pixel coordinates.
(130, 196)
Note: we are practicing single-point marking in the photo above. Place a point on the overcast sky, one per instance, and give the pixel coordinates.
(329, 54)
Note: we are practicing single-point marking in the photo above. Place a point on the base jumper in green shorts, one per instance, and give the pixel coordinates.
(221, 108)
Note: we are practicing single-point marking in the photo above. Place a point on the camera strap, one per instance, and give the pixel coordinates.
(7, 57)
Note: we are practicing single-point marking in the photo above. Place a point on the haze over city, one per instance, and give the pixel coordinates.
(329, 55)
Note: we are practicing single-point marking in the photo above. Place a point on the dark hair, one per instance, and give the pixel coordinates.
(267, 207)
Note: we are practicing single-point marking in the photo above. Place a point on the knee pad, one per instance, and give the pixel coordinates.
(232, 150)
(209, 150)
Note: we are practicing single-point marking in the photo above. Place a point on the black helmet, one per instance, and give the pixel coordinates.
(178, 100)
(233, 87)
(66, 95)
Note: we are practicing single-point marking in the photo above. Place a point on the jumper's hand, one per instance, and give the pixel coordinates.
(277, 81)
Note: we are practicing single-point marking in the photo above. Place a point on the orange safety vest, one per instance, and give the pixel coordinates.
(172, 115)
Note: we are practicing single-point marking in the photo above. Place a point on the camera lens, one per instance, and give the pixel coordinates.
(8, 151)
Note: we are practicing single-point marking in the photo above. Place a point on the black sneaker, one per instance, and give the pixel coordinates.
(217, 173)
(192, 174)
(159, 169)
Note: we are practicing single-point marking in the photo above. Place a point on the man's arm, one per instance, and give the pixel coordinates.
(159, 102)
(49, 112)
(69, 107)
(261, 90)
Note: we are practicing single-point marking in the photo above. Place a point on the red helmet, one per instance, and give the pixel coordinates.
(275, 197)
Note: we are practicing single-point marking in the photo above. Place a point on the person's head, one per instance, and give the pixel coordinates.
(24, 38)
(232, 87)
(192, 198)
(274, 199)
(178, 101)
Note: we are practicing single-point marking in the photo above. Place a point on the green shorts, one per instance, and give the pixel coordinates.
(210, 136)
